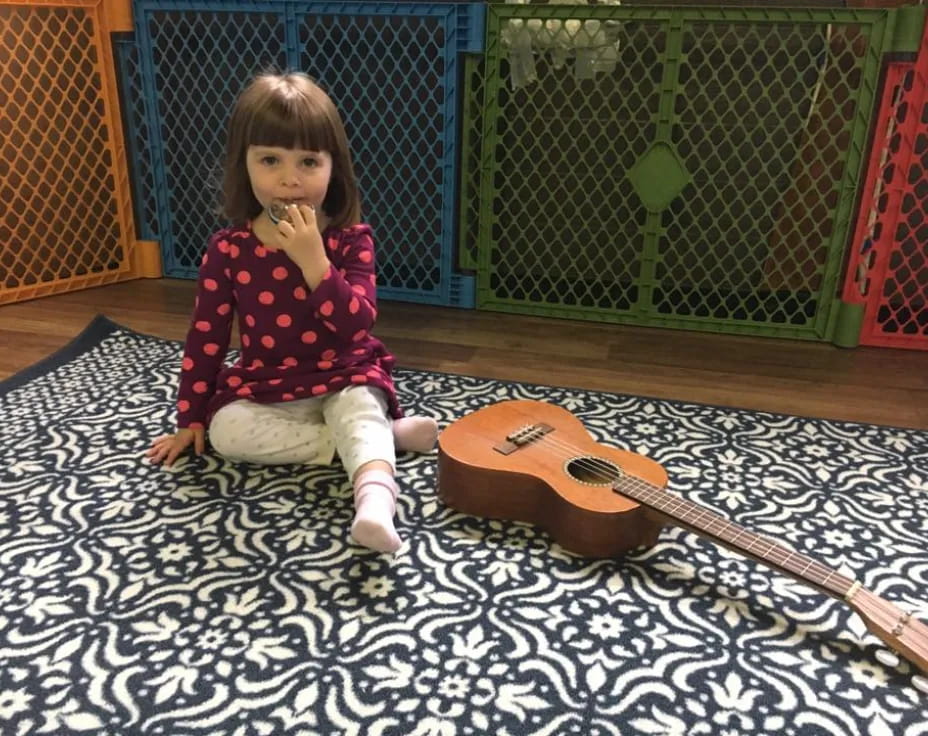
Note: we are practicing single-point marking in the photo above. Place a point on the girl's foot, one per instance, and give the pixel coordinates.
(415, 434)
(375, 504)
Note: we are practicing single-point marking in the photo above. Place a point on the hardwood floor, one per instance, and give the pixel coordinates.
(792, 377)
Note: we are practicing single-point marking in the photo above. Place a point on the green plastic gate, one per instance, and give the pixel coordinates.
(681, 167)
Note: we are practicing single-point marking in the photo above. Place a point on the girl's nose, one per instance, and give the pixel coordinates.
(289, 178)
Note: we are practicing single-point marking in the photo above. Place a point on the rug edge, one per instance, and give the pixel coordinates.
(99, 328)
(102, 326)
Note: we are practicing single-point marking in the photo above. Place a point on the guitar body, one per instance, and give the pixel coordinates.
(562, 484)
(536, 462)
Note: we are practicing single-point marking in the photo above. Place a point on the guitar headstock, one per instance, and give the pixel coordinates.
(896, 628)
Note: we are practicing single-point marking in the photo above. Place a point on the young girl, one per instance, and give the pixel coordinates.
(298, 270)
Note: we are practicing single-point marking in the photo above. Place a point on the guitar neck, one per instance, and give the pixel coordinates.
(699, 519)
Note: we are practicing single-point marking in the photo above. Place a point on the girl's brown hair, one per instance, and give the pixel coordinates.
(289, 111)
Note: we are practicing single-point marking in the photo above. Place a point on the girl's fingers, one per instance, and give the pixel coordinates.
(198, 443)
(286, 229)
(172, 456)
(297, 217)
(309, 214)
(156, 446)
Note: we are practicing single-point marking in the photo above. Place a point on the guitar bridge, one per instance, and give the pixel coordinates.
(523, 436)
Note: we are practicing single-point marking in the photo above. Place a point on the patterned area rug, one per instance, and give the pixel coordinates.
(227, 599)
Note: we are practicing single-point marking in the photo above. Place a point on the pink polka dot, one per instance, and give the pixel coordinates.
(195, 425)
(327, 275)
(284, 320)
(328, 354)
(373, 373)
(276, 381)
(358, 289)
(223, 246)
(183, 405)
(268, 341)
(249, 320)
(299, 293)
(187, 364)
(288, 397)
(203, 326)
(205, 259)
(324, 365)
(224, 309)
(261, 251)
(244, 391)
(279, 273)
(290, 362)
(234, 251)
(359, 379)
(200, 387)
(266, 297)
(318, 389)
(337, 379)
(333, 243)
(359, 351)
(300, 390)
(326, 309)
(235, 381)
(373, 279)
(255, 364)
(211, 348)
(246, 341)
(354, 305)
(365, 256)
(359, 335)
(210, 284)
(227, 273)
(309, 337)
(329, 326)
(243, 277)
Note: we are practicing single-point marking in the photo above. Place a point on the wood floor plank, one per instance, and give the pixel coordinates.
(804, 378)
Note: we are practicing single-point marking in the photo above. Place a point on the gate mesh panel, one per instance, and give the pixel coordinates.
(138, 141)
(58, 106)
(391, 69)
(199, 62)
(888, 269)
(685, 167)
(471, 132)
(388, 75)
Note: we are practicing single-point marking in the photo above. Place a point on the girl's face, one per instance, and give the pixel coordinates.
(288, 175)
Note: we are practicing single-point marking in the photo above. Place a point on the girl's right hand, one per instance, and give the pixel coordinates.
(169, 446)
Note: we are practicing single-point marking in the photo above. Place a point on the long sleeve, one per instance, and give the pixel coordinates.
(208, 337)
(345, 300)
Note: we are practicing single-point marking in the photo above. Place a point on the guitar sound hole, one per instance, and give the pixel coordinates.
(593, 471)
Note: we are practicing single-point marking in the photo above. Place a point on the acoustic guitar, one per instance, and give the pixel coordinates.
(535, 462)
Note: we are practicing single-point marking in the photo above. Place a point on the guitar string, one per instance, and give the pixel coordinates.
(604, 470)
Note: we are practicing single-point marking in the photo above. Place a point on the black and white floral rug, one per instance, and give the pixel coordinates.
(218, 598)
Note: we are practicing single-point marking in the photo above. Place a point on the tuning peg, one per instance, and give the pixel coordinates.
(888, 658)
(920, 683)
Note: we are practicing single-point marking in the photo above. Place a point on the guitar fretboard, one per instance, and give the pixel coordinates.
(744, 541)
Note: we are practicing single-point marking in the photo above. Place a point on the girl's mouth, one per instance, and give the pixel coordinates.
(277, 209)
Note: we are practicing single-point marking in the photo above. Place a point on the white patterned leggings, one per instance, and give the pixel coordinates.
(353, 422)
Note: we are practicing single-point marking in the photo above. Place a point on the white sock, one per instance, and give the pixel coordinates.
(374, 506)
(415, 434)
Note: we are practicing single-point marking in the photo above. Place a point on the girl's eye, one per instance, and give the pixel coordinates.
(268, 160)
(310, 162)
